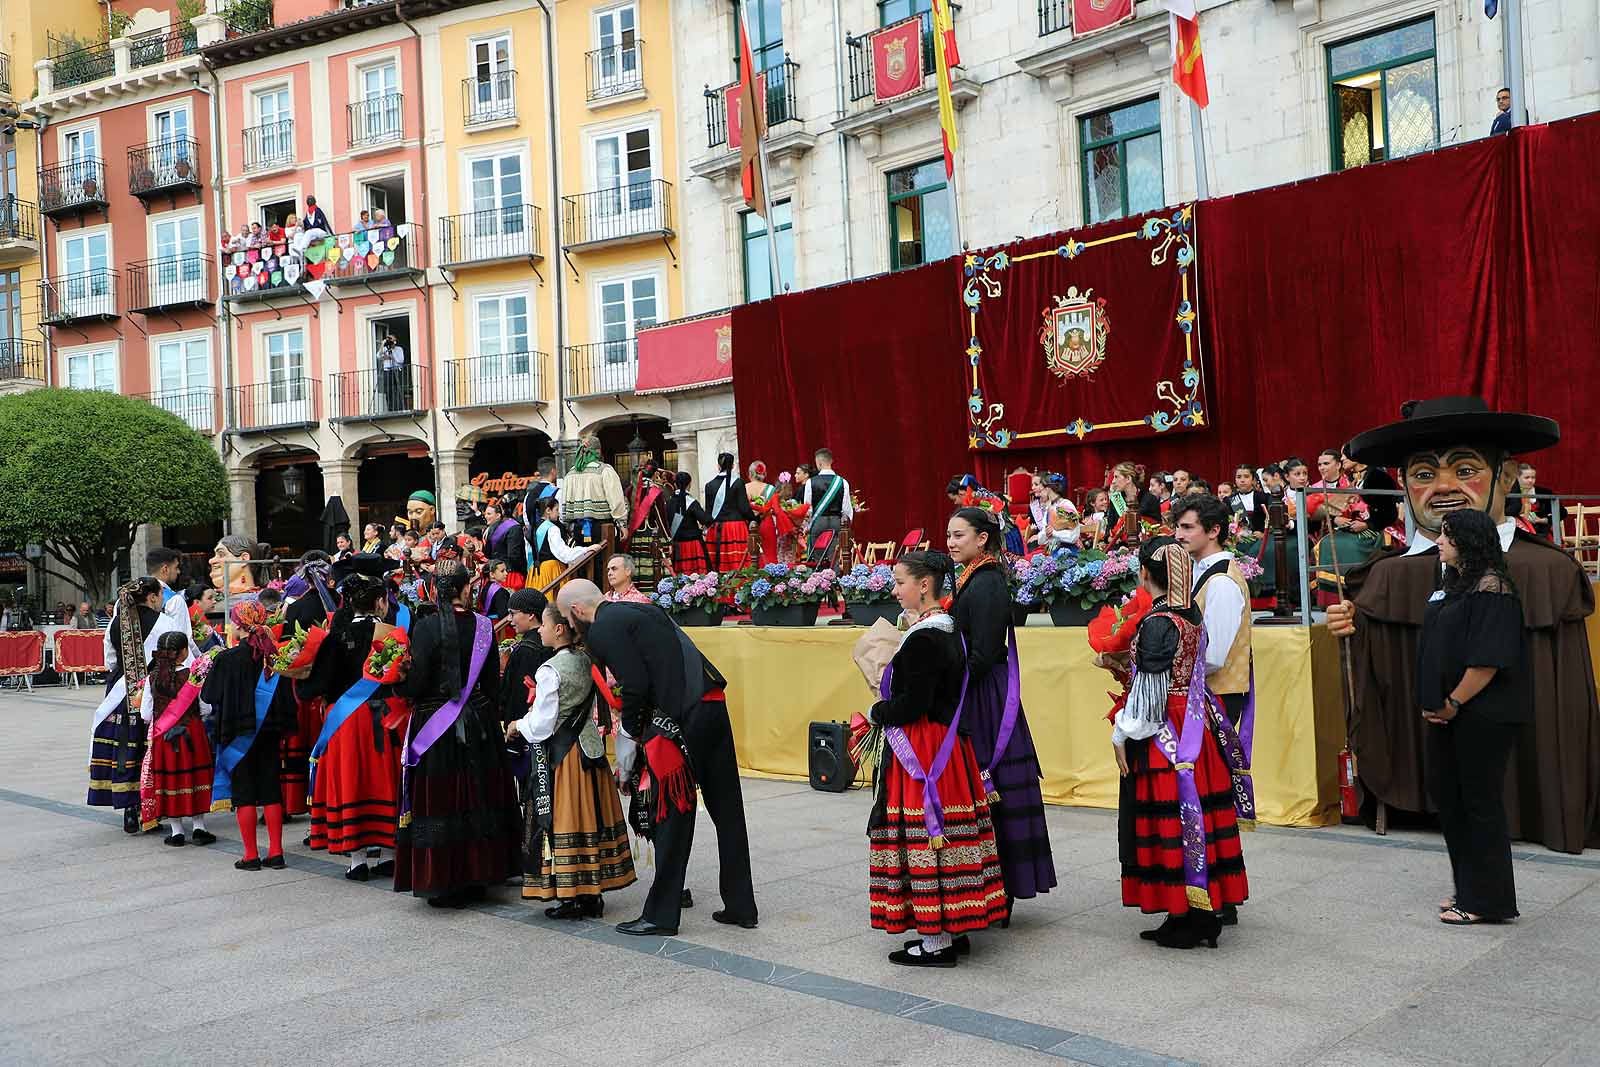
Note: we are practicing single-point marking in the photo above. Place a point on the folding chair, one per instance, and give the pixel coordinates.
(910, 542)
(1584, 540)
(822, 550)
(878, 552)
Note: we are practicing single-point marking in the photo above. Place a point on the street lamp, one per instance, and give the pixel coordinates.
(639, 451)
(294, 482)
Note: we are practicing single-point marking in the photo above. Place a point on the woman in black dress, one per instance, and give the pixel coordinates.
(460, 825)
(1474, 691)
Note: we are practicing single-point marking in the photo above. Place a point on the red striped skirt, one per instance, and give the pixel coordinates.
(295, 752)
(728, 544)
(356, 800)
(181, 774)
(689, 557)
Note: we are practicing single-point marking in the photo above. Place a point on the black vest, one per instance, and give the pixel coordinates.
(820, 484)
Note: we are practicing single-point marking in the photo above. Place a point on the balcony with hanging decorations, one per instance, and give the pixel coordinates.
(73, 299)
(893, 79)
(624, 214)
(301, 268)
(501, 379)
(787, 136)
(164, 169)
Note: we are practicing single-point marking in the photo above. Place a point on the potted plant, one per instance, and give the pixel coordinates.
(89, 187)
(787, 596)
(691, 599)
(1094, 578)
(870, 593)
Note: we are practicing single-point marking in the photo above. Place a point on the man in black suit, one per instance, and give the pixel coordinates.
(660, 672)
(1502, 115)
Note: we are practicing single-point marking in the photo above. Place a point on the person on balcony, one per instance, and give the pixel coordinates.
(316, 219)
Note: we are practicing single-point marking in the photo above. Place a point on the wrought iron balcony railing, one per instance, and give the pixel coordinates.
(21, 360)
(605, 368)
(19, 220)
(376, 120)
(510, 232)
(5, 74)
(1053, 16)
(87, 296)
(284, 265)
(72, 188)
(489, 99)
(782, 103)
(161, 46)
(82, 65)
(269, 145)
(502, 378)
(623, 213)
(244, 17)
(173, 282)
(197, 407)
(164, 167)
(377, 393)
(862, 74)
(615, 71)
(276, 404)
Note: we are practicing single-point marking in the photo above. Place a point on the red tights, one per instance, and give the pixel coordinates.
(247, 830)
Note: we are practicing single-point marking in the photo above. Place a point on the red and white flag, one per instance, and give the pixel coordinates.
(1188, 65)
(1091, 16)
(752, 119)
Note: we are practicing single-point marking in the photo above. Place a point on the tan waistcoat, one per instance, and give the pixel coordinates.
(1234, 677)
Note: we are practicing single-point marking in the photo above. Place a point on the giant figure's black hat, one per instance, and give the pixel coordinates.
(1448, 420)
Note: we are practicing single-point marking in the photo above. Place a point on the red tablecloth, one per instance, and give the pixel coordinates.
(80, 650)
(21, 652)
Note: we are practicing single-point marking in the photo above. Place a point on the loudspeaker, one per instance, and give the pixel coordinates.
(832, 769)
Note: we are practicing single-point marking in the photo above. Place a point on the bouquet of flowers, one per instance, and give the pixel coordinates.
(868, 585)
(295, 656)
(780, 585)
(390, 658)
(1249, 567)
(688, 592)
(199, 629)
(1111, 636)
(412, 594)
(866, 743)
(1036, 579)
(1098, 577)
(201, 666)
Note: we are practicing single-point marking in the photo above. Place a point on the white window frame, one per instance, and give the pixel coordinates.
(252, 100)
(358, 96)
(187, 282)
(107, 298)
(493, 239)
(109, 348)
(496, 112)
(166, 107)
(619, 84)
(626, 276)
(508, 384)
(359, 180)
(200, 416)
(261, 363)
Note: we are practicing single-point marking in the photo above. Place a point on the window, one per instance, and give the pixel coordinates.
(499, 225)
(387, 195)
(502, 348)
(617, 45)
(176, 270)
(922, 216)
(183, 374)
(79, 146)
(93, 370)
(492, 97)
(757, 261)
(274, 135)
(8, 164)
(626, 306)
(286, 367)
(84, 287)
(376, 117)
(170, 125)
(1383, 95)
(766, 32)
(10, 304)
(275, 213)
(892, 11)
(1121, 161)
(623, 173)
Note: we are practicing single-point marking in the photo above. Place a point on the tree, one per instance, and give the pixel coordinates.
(81, 471)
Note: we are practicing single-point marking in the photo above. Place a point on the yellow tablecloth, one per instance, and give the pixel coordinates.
(781, 680)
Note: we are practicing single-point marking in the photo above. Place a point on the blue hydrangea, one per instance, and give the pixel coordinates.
(664, 601)
(666, 587)
(682, 596)
(761, 587)
(776, 570)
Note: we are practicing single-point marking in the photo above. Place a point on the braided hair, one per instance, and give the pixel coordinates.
(447, 585)
(931, 564)
(171, 648)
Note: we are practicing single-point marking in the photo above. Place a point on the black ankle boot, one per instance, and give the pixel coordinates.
(1164, 929)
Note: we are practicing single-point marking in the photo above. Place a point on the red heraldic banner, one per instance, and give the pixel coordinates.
(733, 99)
(686, 354)
(1089, 16)
(1085, 336)
(897, 60)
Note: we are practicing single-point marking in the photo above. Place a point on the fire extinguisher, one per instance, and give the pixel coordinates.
(1349, 792)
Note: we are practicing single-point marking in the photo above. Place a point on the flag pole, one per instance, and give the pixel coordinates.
(774, 270)
(1511, 28)
(1202, 181)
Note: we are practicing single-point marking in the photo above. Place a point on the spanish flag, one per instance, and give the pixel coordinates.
(1188, 65)
(752, 128)
(945, 57)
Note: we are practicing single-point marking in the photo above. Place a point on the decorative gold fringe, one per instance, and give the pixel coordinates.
(549, 852)
(405, 820)
(1198, 898)
(1247, 824)
(936, 843)
(222, 806)
(146, 827)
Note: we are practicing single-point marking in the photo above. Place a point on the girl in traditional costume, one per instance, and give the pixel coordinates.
(176, 779)
(686, 523)
(575, 837)
(1177, 830)
(994, 718)
(551, 552)
(494, 594)
(459, 823)
(728, 505)
(519, 666)
(934, 865)
(313, 605)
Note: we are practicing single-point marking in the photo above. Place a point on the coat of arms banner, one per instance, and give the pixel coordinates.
(897, 60)
(1087, 336)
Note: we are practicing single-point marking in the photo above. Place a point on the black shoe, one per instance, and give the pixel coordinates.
(1165, 928)
(961, 943)
(687, 901)
(306, 841)
(567, 909)
(203, 837)
(453, 901)
(384, 869)
(287, 818)
(907, 958)
(1197, 928)
(358, 873)
(727, 918)
(1229, 915)
(247, 865)
(176, 841)
(274, 862)
(593, 907)
(642, 927)
(130, 820)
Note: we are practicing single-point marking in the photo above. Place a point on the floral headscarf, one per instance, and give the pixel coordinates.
(249, 619)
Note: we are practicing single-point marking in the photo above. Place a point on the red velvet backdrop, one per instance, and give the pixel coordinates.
(1326, 305)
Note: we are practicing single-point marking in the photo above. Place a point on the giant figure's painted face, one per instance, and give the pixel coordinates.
(421, 515)
(1453, 478)
(240, 579)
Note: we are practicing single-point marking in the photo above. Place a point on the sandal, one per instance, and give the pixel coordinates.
(1454, 916)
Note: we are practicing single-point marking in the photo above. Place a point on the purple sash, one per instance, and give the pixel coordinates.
(1236, 749)
(489, 594)
(445, 717)
(1008, 719)
(932, 807)
(1182, 754)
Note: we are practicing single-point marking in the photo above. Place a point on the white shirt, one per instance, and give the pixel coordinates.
(844, 492)
(395, 357)
(176, 608)
(540, 721)
(1421, 542)
(568, 554)
(1224, 610)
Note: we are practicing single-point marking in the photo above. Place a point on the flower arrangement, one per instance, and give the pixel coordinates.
(1249, 567)
(1036, 579)
(868, 585)
(1093, 577)
(688, 592)
(295, 656)
(199, 629)
(412, 594)
(390, 658)
(779, 585)
(201, 666)
(1112, 630)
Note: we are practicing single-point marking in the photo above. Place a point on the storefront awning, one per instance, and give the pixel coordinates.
(686, 354)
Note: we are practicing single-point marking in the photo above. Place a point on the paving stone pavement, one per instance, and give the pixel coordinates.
(118, 950)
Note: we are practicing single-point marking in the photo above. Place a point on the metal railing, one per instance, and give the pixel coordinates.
(277, 403)
(340, 259)
(72, 186)
(5, 74)
(243, 17)
(616, 70)
(782, 104)
(1054, 15)
(176, 281)
(622, 213)
(161, 46)
(376, 119)
(377, 392)
(490, 99)
(370, 253)
(160, 166)
(197, 407)
(82, 65)
(21, 360)
(91, 294)
(602, 369)
(510, 232)
(19, 219)
(269, 145)
(862, 77)
(506, 378)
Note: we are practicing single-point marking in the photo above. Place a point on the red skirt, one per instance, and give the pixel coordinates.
(294, 749)
(356, 799)
(1152, 861)
(728, 544)
(949, 890)
(689, 557)
(769, 541)
(181, 774)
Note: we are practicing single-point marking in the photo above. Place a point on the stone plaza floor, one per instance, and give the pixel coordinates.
(119, 950)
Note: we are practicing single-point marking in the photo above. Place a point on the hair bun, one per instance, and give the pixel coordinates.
(940, 560)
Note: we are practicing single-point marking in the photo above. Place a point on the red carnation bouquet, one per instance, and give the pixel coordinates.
(296, 655)
(1111, 635)
(389, 660)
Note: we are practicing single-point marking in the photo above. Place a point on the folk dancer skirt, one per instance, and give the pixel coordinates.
(590, 854)
(356, 799)
(295, 753)
(116, 758)
(181, 771)
(1019, 826)
(728, 545)
(544, 574)
(258, 779)
(689, 557)
(949, 890)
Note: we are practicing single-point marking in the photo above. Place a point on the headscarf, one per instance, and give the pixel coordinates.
(317, 574)
(588, 454)
(1180, 577)
(249, 620)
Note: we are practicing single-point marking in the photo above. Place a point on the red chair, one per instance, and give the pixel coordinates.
(821, 550)
(912, 540)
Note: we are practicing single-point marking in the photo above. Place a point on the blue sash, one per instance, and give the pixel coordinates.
(167, 594)
(354, 698)
(228, 760)
(540, 536)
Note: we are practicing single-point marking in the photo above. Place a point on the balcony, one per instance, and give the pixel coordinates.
(279, 404)
(5, 76)
(72, 188)
(1054, 16)
(489, 101)
(19, 231)
(363, 395)
(170, 284)
(781, 103)
(376, 120)
(269, 146)
(164, 168)
(82, 65)
(161, 46)
(244, 17)
(875, 107)
(90, 296)
(497, 380)
(498, 234)
(623, 215)
(603, 369)
(21, 360)
(357, 258)
(615, 72)
(196, 407)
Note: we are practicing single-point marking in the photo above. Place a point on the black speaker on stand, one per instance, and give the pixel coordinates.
(828, 757)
